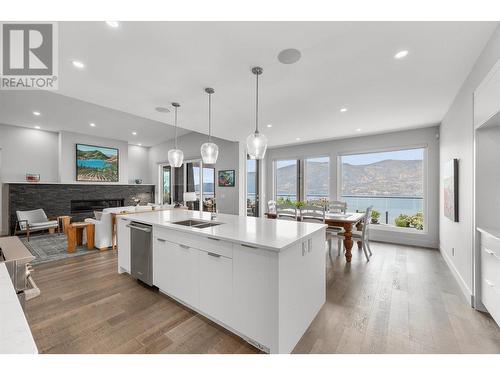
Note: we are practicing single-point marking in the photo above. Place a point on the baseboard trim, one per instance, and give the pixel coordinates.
(469, 297)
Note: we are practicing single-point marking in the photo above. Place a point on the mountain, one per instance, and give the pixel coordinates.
(96, 154)
(386, 177)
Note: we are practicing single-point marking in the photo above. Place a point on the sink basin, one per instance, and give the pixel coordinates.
(200, 224)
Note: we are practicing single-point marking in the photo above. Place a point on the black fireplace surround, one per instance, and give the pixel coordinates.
(76, 200)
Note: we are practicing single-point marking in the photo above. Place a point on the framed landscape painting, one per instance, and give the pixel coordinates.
(226, 178)
(96, 163)
(450, 189)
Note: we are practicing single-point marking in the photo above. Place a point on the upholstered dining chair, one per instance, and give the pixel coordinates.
(34, 221)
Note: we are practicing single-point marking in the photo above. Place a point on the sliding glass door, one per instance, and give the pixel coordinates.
(166, 184)
(193, 185)
(253, 187)
(208, 188)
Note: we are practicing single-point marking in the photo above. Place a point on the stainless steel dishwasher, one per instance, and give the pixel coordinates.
(141, 252)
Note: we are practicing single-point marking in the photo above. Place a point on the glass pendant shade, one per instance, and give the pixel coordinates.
(256, 146)
(175, 158)
(209, 153)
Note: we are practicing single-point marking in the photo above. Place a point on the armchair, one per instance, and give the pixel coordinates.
(33, 221)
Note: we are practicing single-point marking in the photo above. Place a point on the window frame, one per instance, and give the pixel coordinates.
(425, 178)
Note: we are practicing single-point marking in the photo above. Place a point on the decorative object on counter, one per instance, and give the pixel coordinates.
(32, 177)
(175, 156)
(209, 150)
(226, 178)
(96, 163)
(190, 197)
(136, 201)
(450, 189)
(257, 142)
(138, 181)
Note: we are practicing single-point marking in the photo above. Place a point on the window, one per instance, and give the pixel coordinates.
(193, 183)
(305, 179)
(208, 186)
(286, 180)
(317, 179)
(252, 187)
(392, 182)
(167, 185)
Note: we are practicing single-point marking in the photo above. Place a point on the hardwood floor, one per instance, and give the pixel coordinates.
(404, 300)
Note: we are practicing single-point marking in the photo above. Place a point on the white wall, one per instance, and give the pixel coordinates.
(457, 142)
(138, 164)
(67, 155)
(418, 137)
(227, 197)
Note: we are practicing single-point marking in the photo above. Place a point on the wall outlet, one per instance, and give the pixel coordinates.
(453, 251)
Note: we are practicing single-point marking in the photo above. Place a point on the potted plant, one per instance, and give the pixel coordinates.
(375, 216)
(402, 221)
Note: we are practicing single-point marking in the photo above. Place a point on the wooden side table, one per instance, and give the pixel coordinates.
(64, 222)
(75, 235)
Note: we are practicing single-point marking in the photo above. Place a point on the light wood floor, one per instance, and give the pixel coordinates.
(404, 300)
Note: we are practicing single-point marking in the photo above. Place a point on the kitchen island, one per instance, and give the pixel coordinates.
(262, 279)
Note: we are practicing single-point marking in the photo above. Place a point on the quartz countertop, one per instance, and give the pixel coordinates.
(15, 333)
(269, 234)
(490, 231)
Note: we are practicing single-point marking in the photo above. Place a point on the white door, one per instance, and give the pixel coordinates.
(216, 286)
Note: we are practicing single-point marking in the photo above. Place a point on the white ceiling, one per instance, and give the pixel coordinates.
(58, 112)
(142, 65)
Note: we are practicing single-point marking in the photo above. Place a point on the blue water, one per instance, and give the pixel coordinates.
(93, 163)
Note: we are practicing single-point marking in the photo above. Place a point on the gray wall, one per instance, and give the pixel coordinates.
(418, 137)
(227, 197)
(457, 142)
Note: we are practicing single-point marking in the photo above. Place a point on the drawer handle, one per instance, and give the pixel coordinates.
(184, 246)
(161, 240)
(213, 239)
(214, 255)
(489, 283)
(249, 246)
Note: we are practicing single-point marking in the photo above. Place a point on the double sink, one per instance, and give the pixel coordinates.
(200, 224)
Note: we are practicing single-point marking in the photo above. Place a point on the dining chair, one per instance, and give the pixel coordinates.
(312, 213)
(286, 211)
(337, 207)
(361, 236)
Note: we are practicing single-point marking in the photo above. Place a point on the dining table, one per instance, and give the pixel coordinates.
(348, 221)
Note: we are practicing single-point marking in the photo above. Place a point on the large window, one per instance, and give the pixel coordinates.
(167, 184)
(252, 187)
(305, 179)
(391, 181)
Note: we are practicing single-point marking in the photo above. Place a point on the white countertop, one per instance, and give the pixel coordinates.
(269, 234)
(490, 231)
(15, 333)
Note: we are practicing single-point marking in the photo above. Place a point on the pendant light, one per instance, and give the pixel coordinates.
(256, 142)
(209, 150)
(175, 156)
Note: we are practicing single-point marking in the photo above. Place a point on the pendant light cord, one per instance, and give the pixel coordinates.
(209, 118)
(257, 105)
(176, 128)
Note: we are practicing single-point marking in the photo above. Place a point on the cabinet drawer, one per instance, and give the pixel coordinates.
(201, 241)
(491, 243)
(490, 296)
(490, 265)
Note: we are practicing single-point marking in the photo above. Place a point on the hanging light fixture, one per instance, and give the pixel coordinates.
(256, 142)
(175, 156)
(209, 150)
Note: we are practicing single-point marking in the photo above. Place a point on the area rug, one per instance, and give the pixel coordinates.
(52, 247)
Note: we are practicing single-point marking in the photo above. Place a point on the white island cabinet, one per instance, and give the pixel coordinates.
(262, 279)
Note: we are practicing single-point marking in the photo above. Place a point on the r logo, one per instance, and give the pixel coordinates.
(27, 49)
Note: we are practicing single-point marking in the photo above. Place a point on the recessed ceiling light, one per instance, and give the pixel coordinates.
(358, 129)
(139, 144)
(401, 54)
(113, 24)
(162, 110)
(134, 133)
(269, 125)
(289, 56)
(343, 110)
(78, 64)
(297, 139)
(37, 127)
(36, 113)
(92, 124)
